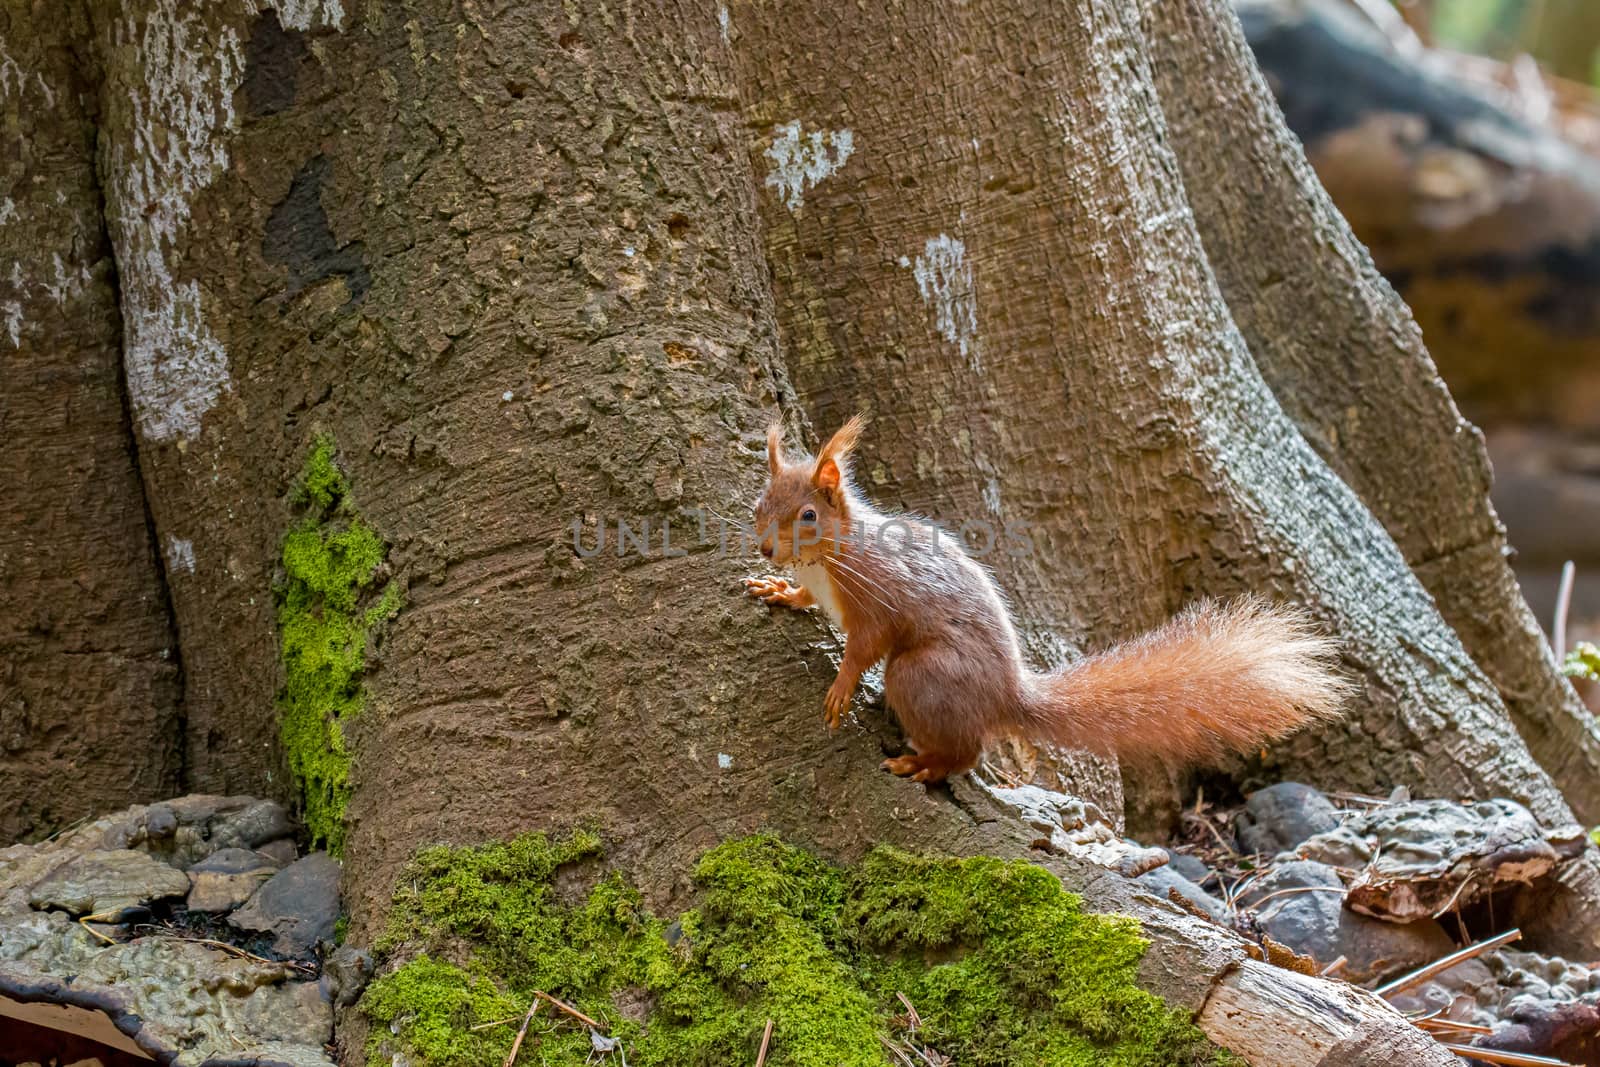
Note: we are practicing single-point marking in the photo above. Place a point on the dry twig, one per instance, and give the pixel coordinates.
(1510, 1059)
(766, 1036)
(488, 1026)
(1569, 572)
(1291, 890)
(232, 950)
(522, 1032)
(1444, 963)
(106, 916)
(911, 1012)
(568, 1008)
(1449, 1024)
(898, 1052)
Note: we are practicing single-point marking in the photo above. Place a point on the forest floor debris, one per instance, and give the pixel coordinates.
(1409, 898)
(126, 917)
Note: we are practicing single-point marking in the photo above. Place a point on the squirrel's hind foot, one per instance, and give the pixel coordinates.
(929, 768)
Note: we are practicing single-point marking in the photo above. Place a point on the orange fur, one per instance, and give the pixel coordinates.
(1216, 679)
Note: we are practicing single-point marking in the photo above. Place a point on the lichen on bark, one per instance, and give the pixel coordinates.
(1002, 964)
(330, 607)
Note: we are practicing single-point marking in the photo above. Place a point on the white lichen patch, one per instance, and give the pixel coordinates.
(944, 278)
(175, 146)
(190, 63)
(64, 283)
(12, 77)
(725, 22)
(724, 760)
(991, 496)
(8, 210)
(308, 14)
(801, 159)
(180, 555)
(13, 317)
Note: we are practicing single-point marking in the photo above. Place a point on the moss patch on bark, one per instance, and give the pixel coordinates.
(329, 608)
(1002, 964)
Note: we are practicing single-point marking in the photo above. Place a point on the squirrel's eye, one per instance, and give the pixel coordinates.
(808, 515)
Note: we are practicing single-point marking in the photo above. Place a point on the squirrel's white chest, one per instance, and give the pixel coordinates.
(814, 577)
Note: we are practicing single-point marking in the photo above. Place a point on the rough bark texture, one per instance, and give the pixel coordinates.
(224, 353)
(1347, 363)
(1062, 314)
(89, 671)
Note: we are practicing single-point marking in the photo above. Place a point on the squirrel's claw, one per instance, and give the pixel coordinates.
(904, 766)
(918, 768)
(835, 705)
(771, 590)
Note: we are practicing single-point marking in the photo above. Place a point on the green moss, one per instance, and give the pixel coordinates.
(1583, 661)
(328, 610)
(1002, 964)
(440, 1004)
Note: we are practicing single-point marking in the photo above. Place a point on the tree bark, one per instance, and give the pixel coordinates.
(1347, 363)
(89, 669)
(1108, 401)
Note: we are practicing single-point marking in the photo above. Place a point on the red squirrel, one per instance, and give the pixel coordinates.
(1218, 678)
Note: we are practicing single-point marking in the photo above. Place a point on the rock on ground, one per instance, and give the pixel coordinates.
(1279, 817)
(1420, 857)
(299, 904)
(227, 878)
(1301, 904)
(182, 1001)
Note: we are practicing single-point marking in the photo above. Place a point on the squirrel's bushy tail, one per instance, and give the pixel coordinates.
(1217, 679)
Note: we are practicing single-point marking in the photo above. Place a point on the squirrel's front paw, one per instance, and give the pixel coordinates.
(836, 704)
(773, 590)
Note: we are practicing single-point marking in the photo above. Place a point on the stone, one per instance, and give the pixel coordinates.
(160, 822)
(186, 829)
(1301, 904)
(299, 905)
(1191, 867)
(103, 883)
(227, 878)
(1420, 857)
(1545, 1026)
(1279, 817)
(1532, 975)
(24, 866)
(45, 940)
(345, 974)
(256, 824)
(189, 1003)
(1075, 827)
(282, 851)
(1162, 880)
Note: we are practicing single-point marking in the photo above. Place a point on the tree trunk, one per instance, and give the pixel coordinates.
(1347, 363)
(1087, 404)
(90, 682)
(524, 271)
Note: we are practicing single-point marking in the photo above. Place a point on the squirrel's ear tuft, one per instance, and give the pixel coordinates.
(843, 442)
(831, 461)
(775, 447)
